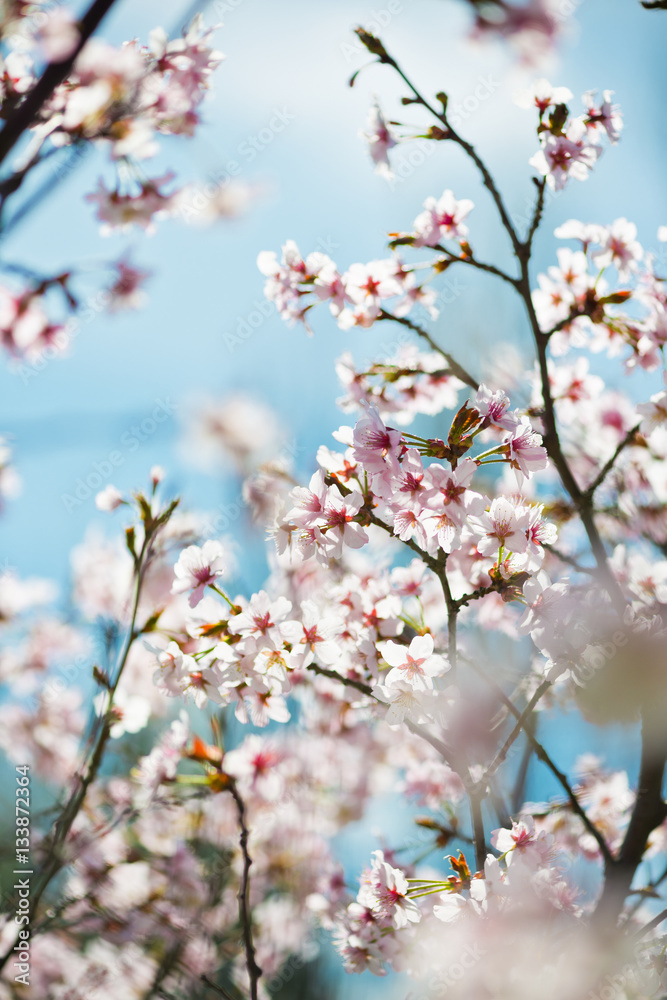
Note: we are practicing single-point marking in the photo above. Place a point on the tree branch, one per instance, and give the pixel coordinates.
(245, 916)
(649, 812)
(478, 264)
(455, 368)
(541, 753)
(609, 464)
(54, 74)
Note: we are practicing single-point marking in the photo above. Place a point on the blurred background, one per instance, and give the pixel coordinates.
(205, 332)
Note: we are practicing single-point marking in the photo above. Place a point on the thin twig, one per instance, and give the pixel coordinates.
(472, 261)
(476, 797)
(455, 368)
(54, 74)
(218, 989)
(445, 751)
(504, 750)
(54, 860)
(523, 721)
(245, 916)
(609, 464)
(568, 559)
(658, 919)
(537, 213)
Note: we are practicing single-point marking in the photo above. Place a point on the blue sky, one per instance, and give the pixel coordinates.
(319, 188)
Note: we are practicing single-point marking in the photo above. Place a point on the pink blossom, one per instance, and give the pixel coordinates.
(340, 526)
(525, 451)
(314, 636)
(444, 526)
(262, 619)
(122, 211)
(161, 763)
(58, 35)
(197, 568)
(542, 96)
(309, 502)
(109, 498)
(127, 291)
(376, 447)
(368, 286)
(503, 526)
(380, 140)
(416, 664)
(569, 154)
(442, 219)
(524, 840)
(620, 248)
(604, 117)
(494, 406)
(450, 490)
(384, 892)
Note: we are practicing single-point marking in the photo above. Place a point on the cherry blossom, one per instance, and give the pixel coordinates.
(383, 890)
(196, 569)
(521, 529)
(415, 664)
(543, 96)
(109, 498)
(380, 140)
(442, 219)
(261, 619)
(525, 451)
(503, 526)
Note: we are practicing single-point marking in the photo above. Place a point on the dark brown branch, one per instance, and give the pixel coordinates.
(568, 559)
(445, 751)
(217, 989)
(54, 74)
(245, 916)
(472, 261)
(537, 213)
(609, 464)
(455, 368)
(513, 736)
(649, 812)
(453, 136)
(541, 753)
(658, 919)
(555, 451)
(347, 681)
(476, 798)
(453, 608)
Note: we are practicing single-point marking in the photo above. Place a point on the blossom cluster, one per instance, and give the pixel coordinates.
(570, 146)
(604, 295)
(433, 604)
